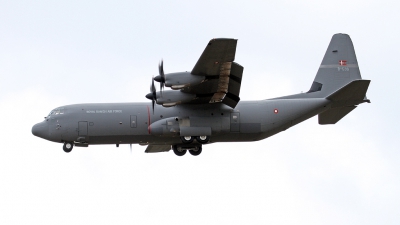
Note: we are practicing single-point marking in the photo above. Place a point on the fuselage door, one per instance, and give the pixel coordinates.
(235, 122)
(83, 128)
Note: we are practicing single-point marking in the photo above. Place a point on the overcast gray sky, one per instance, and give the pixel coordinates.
(55, 53)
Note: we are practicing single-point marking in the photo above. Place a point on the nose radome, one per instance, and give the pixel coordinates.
(39, 130)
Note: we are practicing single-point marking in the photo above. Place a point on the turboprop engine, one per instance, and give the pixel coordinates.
(176, 81)
(179, 80)
(170, 98)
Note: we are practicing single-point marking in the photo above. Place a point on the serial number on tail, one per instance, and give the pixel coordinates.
(343, 69)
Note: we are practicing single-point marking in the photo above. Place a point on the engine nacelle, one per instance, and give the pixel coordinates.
(172, 98)
(180, 80)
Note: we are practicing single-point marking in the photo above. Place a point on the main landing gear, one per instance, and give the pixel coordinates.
(187, 139)
(199, 139)
(68, 146)
(187, 144)
(202, 139)
(180, 150)
(195, 151)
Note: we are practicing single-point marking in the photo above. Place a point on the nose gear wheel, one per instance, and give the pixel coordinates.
(68, 146)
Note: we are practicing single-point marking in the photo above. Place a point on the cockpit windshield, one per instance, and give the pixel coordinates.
(57, 111)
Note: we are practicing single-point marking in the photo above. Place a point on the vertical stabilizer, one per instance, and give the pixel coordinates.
(339, 66)
(338, 80)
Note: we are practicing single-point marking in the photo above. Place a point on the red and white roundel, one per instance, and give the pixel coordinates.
(276, 111)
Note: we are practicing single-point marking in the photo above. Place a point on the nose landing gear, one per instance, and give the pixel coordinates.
(68, 146)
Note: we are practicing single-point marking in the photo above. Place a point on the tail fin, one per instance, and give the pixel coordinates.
(339, 80)
(339, 67)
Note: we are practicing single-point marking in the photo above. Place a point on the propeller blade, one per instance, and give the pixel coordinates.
(153, 94)
(152, 101)
(131, 148)
(161, 68)
(162, 75)
(154, 97)
(153, 89)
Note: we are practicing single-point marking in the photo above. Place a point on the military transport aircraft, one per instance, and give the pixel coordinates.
(204, 107)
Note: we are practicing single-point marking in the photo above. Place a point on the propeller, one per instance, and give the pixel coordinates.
(161, 78)
(131, 148)
(153, 94)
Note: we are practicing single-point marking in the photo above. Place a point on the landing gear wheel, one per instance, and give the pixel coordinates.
(202, 139)
(68, 146)
(178, 151)
(187, 139)
(196, 151)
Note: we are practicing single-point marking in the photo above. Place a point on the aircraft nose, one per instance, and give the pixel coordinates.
(39, 130)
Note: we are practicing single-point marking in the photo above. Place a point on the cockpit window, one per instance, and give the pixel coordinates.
(57, 111)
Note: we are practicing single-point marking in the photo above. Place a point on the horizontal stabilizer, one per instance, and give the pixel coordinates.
(333, 115)
(157, 148)
(351, 94)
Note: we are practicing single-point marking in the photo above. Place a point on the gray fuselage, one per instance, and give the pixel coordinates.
(128, 123)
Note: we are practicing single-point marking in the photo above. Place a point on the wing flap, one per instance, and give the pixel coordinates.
(225, 89)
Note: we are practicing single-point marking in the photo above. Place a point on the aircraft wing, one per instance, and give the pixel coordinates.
(223, 76)
(217, 52)
(214, 79)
